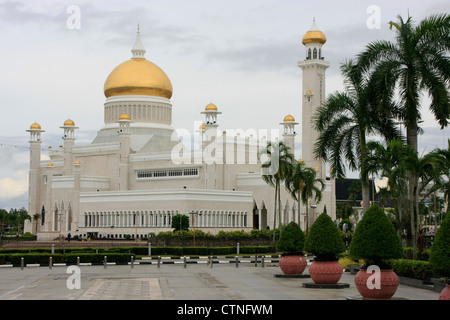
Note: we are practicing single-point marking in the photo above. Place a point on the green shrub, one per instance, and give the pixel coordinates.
(375, 239)
(324, 239)
(440, 251)
(412, 268)
(292, 239)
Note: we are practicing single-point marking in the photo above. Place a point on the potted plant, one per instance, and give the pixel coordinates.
(325, 242)
(440, 256)
(291, 243)
(376, 241)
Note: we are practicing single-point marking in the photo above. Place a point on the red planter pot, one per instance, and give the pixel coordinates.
(388, 284)
(445, 293)
(292, 264)
(325, 272)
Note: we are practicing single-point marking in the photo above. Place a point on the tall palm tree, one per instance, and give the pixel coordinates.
(275, 170)
(303, 185)
(416, 62)
(36, 218)
(344, 121)
(396, 161)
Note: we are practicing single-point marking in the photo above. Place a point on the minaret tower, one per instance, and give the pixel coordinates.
(69, 141)
(289, 132)
(313, 93)
(34, 174)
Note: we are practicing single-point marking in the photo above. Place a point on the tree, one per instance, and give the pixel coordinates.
(416, 62)
(180, 222)
(303, 185)
(344, 121)
(275, 170)
(443, 157)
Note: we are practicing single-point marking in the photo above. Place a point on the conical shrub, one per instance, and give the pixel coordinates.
(440, 251)
(292, 239)
(375, 239)
(324, 239)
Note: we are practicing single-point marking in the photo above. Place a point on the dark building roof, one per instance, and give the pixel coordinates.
(343, 189)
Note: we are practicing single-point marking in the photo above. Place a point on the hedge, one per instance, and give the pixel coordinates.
(182, 251)
(68, 258)
(415, 269)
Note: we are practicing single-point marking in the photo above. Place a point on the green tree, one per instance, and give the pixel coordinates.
(275, 170)
(443, 157)
(292, 239)
(180, 222)
(36, 218)
(344, 121)
(440, 251)
(303, 185)
(416, 62)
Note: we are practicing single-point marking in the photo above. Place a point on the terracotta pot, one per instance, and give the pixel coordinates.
(325, 272)
(388, 284)
(445, 293)
(292, 264)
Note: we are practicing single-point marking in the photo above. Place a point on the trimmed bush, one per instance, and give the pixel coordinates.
(292, 239)
(324, 239)
(375, 239)
(440, 251)
(415, 269)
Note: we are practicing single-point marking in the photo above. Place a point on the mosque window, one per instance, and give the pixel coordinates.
(309, 54)
(166, 173)
(315, 53)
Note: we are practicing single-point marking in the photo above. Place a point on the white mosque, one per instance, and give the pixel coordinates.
(137, 173)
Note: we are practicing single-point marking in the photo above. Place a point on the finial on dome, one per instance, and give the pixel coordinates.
(138, 49)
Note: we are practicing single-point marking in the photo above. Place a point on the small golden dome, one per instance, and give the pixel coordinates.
(308, 92)
(77, 162)
(289, 118)
(211, 107)
(124, 116)
(316, 168)
(49, 164)
(202, 127)
(69, 122)
(138, 76)
(300, 160)
(35, 126)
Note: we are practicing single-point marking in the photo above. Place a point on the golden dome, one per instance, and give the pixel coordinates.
(69, 122)
(49, 164)
(211, 107)
(77, 162)
(289, 118)
(308, 92)
(300, 160)
(202, 127)
(314, 35)
(35, 126)
(124, 116)
(138, 76)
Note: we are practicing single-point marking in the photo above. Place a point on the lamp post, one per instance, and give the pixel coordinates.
(193, 222)
(60, 213)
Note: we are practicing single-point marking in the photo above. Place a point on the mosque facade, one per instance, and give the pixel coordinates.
(137, 173)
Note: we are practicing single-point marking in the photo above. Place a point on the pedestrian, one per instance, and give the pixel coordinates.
(68, 237)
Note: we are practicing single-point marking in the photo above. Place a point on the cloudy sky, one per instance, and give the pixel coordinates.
(241, 55)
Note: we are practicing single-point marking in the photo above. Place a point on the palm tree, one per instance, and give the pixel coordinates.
(275, 170)
(417, 61)
(344, 121)
(302, 185)
(396, 162)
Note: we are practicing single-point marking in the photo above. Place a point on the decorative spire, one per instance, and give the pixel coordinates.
(138, 49)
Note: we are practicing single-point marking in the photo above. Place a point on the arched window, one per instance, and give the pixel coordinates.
(320, 53)
(309, 54)
(315, 53)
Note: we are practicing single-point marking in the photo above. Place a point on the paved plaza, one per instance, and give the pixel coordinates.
(175, 281)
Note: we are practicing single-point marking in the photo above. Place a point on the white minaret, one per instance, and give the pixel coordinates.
(35, 172)
(313, 95)
(289, 132)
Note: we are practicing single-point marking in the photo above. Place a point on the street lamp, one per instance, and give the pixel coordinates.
(60, 213)
(193, 222)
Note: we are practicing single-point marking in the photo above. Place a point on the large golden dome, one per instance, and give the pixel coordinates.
(314, 35)
(138, 76)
